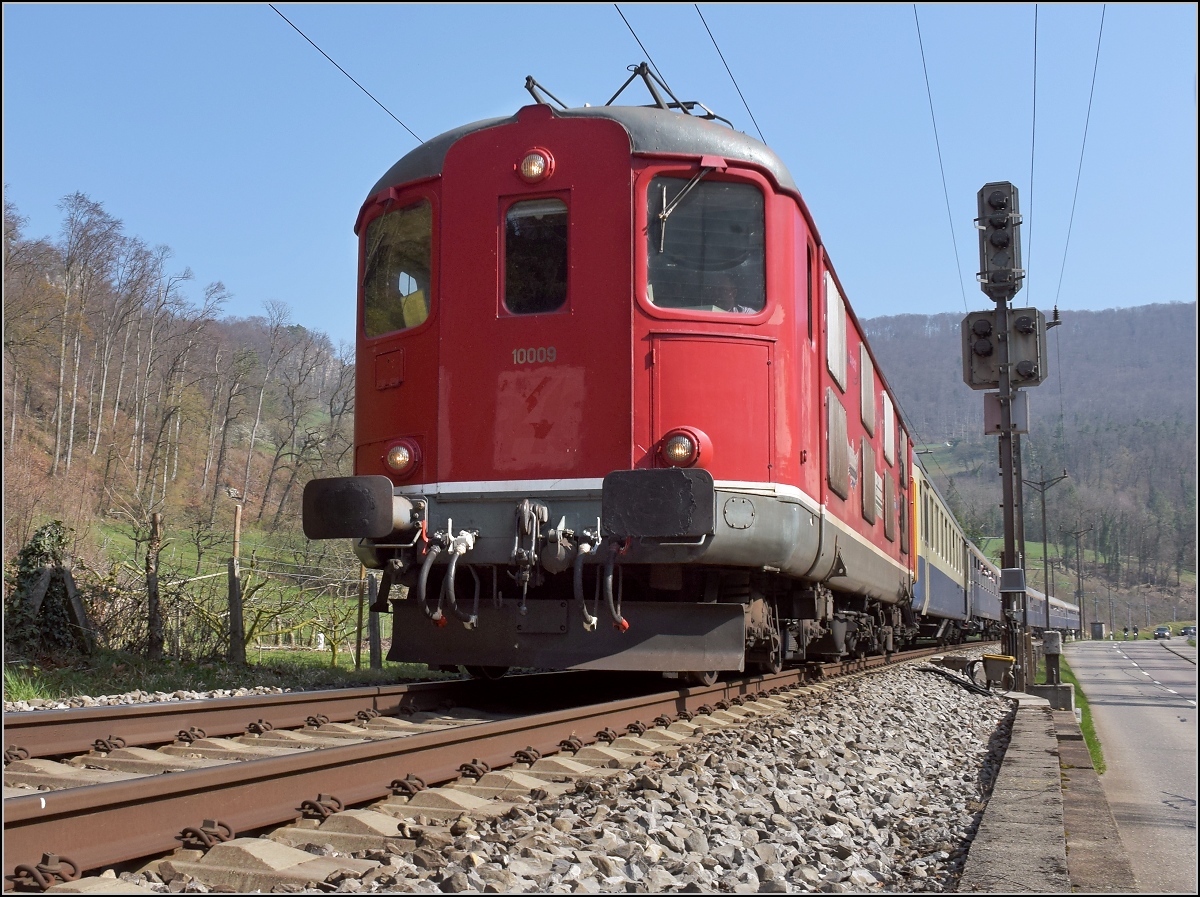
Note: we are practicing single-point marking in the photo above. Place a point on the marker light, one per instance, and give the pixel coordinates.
(403, 457)
(537, 165)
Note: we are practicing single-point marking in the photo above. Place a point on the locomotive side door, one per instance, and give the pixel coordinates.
(534, 371)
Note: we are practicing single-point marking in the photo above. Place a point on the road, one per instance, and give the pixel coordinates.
(1143, 700)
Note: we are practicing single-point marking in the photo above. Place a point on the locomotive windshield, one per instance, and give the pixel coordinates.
(535, 253)
(396, 270)
(711, 256)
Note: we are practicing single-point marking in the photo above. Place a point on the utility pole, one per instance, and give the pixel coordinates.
(1079, 574)
(1041, 486)
(1020, 522)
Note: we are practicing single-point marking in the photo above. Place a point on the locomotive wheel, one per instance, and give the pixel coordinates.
(770, 667)
(700, 677)
(774, 662)
(488, 674)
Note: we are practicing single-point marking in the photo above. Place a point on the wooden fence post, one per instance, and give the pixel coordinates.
(373, 624)
(154, 608)
(237, 630)
(358, 631)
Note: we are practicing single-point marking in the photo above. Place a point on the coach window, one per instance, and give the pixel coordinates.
(835, 333)
(535, 256)
(889, 430)
(396, 269)
(706, 246)
(867, 392)
(812, 270)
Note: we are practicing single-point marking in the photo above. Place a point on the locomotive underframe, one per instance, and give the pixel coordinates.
(711, 578)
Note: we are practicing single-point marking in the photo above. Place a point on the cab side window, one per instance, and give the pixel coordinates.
(397, 260)
(535, 256)
(707, 252)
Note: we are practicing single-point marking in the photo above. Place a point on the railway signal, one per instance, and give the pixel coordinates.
(1026, 338)
(999, 222)
(988, 363)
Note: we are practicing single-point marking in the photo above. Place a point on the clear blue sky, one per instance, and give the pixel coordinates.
(219, 131)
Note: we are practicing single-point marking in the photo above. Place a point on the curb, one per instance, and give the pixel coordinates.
(1019, 846)
(1096, 858)
(1047, 828)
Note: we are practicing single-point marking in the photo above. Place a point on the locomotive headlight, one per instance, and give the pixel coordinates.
(680, 450)
(402, 457)
(685, 447)
(536, 165)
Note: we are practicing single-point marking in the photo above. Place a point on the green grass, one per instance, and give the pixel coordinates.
(1085, 724)
(110, 673)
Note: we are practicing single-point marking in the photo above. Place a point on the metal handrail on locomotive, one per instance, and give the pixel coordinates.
(614, 412)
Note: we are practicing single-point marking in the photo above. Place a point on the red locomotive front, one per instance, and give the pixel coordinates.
(591, 424)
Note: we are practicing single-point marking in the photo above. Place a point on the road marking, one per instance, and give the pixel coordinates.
(1172, 691)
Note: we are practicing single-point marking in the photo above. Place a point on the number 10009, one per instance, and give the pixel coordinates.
(540, 355)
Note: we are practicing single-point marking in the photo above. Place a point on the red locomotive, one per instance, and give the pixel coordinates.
(613, 410)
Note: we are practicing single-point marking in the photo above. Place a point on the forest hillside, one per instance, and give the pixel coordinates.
(1116, 413)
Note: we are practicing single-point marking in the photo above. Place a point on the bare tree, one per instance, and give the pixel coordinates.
(29, 315)
(89, 238)
(296, 400)
(234, 392)
(278, 319)
(133, 276)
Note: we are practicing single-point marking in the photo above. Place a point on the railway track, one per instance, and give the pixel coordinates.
(385, 747)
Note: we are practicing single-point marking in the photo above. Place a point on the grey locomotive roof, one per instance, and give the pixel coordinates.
(650, 129)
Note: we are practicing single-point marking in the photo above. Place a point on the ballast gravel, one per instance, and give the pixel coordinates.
(872, 784)
(138, 697)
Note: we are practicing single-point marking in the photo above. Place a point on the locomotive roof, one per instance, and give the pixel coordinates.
(650, 130)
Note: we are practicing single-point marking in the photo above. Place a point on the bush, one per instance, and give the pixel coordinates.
(51, 632)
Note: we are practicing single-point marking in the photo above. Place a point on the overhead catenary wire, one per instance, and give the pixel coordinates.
(1032, 157)
(941, 166)
(649, 58)
(731, 78)
(347, 74)
(1082, 149)
(1062, 416)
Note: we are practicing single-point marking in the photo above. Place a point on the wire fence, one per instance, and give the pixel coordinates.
(310, 595)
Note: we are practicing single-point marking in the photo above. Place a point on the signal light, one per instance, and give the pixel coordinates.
(980, 370)
(1000, 274)
(1026, 348)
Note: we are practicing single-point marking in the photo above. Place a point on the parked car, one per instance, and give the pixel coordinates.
(1162, 632)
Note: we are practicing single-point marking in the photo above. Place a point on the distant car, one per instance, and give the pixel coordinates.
(1162, 632)
(1188, 632)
